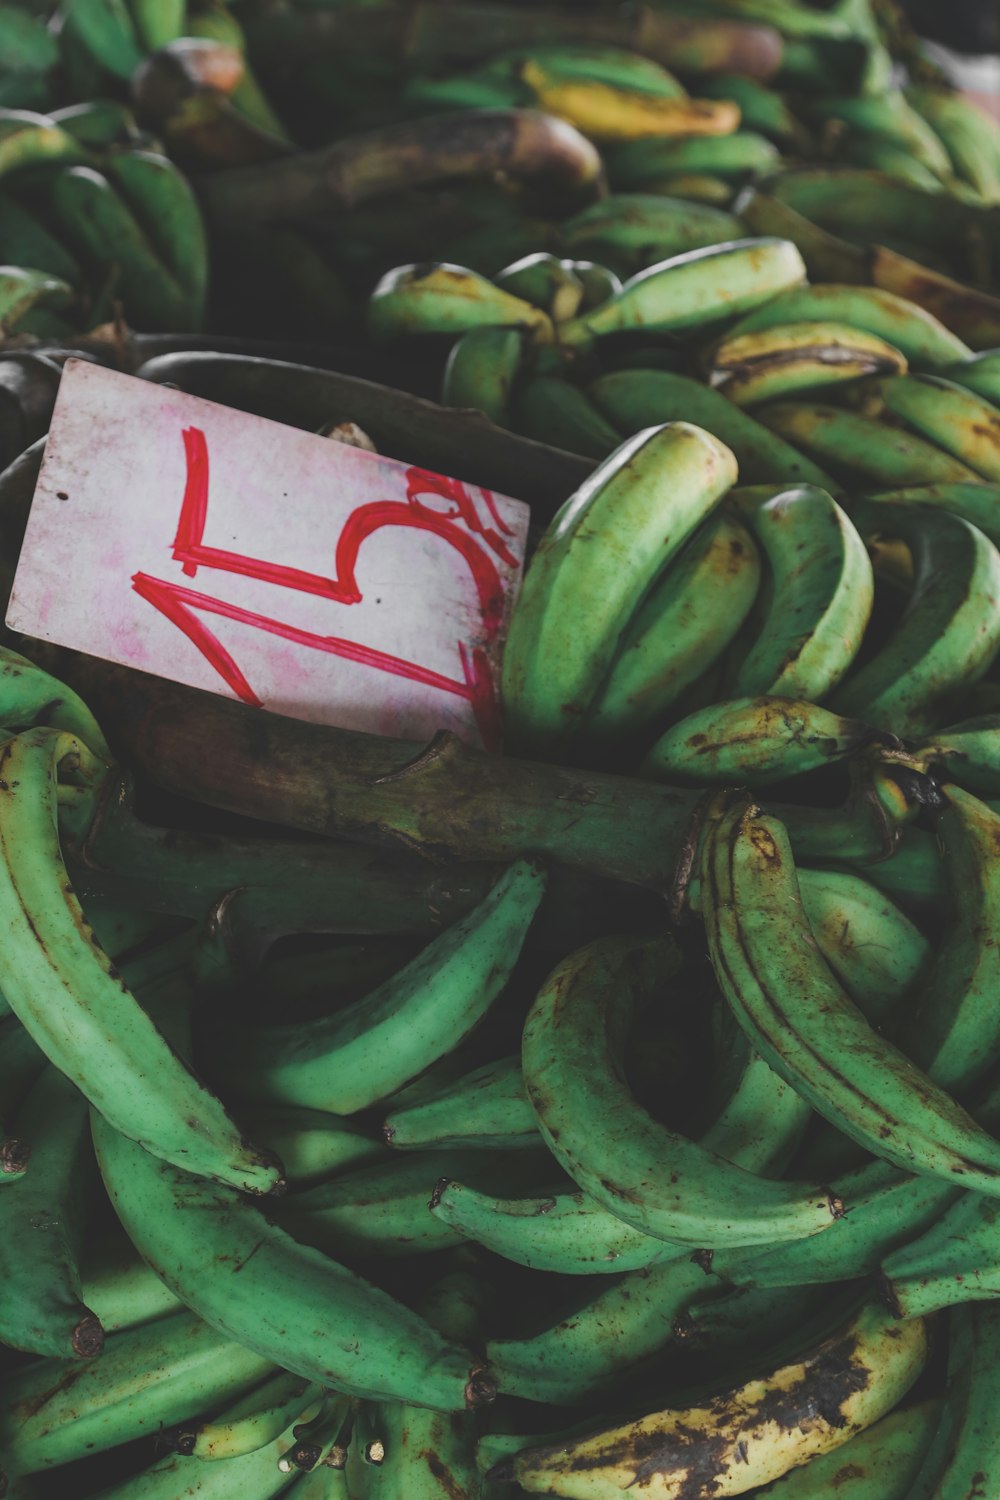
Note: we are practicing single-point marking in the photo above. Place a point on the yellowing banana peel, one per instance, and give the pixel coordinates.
(744, 1437)
(609, 113)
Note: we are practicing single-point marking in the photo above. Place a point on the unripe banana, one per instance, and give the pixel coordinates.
(481, 371)
(788, 358)
(753, 742)
(545, 280)
(862, 449)
(633, 231)
(593, 568)
(551, 410)
(693, 289)
(442, 298)
(962, 423)
(979, 373)
(635, 164)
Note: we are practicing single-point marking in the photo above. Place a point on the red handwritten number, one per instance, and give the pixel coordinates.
(459, 524)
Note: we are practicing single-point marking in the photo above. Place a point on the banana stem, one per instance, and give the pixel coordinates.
(443, 801)
(314, 187)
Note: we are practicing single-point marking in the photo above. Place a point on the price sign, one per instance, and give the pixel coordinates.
(235, 554)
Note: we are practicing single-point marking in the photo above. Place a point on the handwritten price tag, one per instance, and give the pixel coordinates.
(235, 554)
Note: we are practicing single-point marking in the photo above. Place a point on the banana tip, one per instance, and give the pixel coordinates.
(88, 1337)
(481, 1388)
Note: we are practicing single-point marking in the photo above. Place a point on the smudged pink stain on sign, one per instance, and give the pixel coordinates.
(460, 525)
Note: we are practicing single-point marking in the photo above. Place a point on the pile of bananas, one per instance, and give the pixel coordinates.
(619, 1115)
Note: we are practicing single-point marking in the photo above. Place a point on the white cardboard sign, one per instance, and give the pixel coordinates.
(236, 554)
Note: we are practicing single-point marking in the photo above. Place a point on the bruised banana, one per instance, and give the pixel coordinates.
(949, 631)
(745, 1436)
(593, 567)
(752, 742)
(573, 1042)
(67, 992)
(687, 620)
(482, 369)
(251, 1280)
(961, 423)
(632, 399)
(692, 290)
(883, 1462)
(810, 1031)
(920, 337)
(788, 358)
(364, 1052)
(444, 298)
(821, 592)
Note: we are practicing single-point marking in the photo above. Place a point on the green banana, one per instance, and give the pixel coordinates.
(545, 280)
(108, 32)
(916, 333)
(827, 258)
(251, 1280)
(872, 947)
(56, 1411)
(443, 298)
(788, 358)
(968, 754)
(30, 696)
(27, 242)
(977, 372)
(820, 595)
(572, 1047)
(69, 995)
(967, 133)
(914, 875)
(633, 399)
(481, 371)
(752, 742)
(429, 1456)
(487, 1107)
(949, 630)
(251, 1476)
(317, 1437)
(687, 620)
(860, 449)
(744, 1436)
(310, 1144)
(617, 1334)
(970, 313)
(28, 139)
(97, 223)
(98, 122)
(762, 109)
(119, 1288)
(599, 282)
(24, 290)
(551, 410)
(158, 22)
(691, 290)
(887, 156)
(812, 1034)
(360, 1054)
(695, 187)
(978, 503)
(167, 211)
(954, 1261)
(963, 1454)
(883, 1462)
(890, 117)
(598, 558)
(258, 1418)
(381, 1209)
(633, 231)
(42, 1227)
(633, 164)
(958, 421)
(561, 1231)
